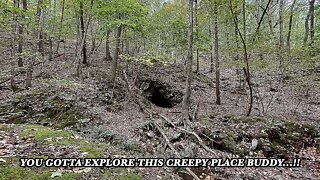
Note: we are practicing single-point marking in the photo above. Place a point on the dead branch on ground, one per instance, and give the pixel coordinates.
(171, 147)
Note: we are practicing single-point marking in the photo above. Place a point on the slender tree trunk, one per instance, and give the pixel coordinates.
(52, 35)
(42, 29)
(127, 45)
(21, 27)
(244, 19)
(61, 24)
(290, 24)
(281, 34)
(216, 52)
(29, 77)
(312, 31)
(261, 20)
(94, 28)
(247, 68)
(116, 55)
(108, 55)
(236, 57)
(269, 13)
(82, 26)
(257, 14)
(306, 26)
(83, 37)
(187, 96)
(13, 46)
(122, 40)
(54, 13)
(281, 25)
(197, 32)
(211, 45)
(39, 27)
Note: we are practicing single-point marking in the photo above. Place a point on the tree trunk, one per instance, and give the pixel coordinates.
(271, 22)
(61, 23)
(21, 26)
(312, 31)
(290, 24)
(306, 26)
(236, 57)
(247, 68)
(211, 45)
(108, 55)
(257, 14)
(39, 28)
(84, 45)
(53, 16)
(216, 52)
(244, 19)
(187, 96)
(29, 77)
(281, 25)
(197, 32)
(116, 55)
(93, 35)
(83, 37)
(13, 46)
(281, 35)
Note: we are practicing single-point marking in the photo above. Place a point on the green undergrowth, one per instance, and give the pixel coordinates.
(41, 135)
(46, 135)
(11, 169)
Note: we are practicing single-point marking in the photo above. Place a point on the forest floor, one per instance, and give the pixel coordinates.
(64, 116)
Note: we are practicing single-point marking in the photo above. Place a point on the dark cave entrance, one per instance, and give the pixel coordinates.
(159, 100)
(161, 94)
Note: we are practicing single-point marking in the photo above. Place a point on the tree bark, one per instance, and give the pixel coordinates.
(108, 55)
(257, 14)
(94, 27)
(216, 52)
(84, 45)
(290, 24)
(187, 96)
(39, 29)
(197, 32)
(13, 84)
(306, 26)
(281, 25)
(211, 45)
(247, 68)
(244, 19)
(21, 27)
(83, 37)
(61, 23)
(312, 31)
(116, 55)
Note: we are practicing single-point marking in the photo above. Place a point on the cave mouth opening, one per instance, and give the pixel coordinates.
(159, 100)
(161, 94)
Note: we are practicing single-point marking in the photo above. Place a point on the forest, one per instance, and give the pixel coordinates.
(160, 79)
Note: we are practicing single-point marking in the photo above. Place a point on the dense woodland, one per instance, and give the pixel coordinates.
(159, 78)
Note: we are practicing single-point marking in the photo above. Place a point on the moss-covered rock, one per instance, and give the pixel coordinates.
(47, 107)
(234, 134)
(288, 137)
(46, 135)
